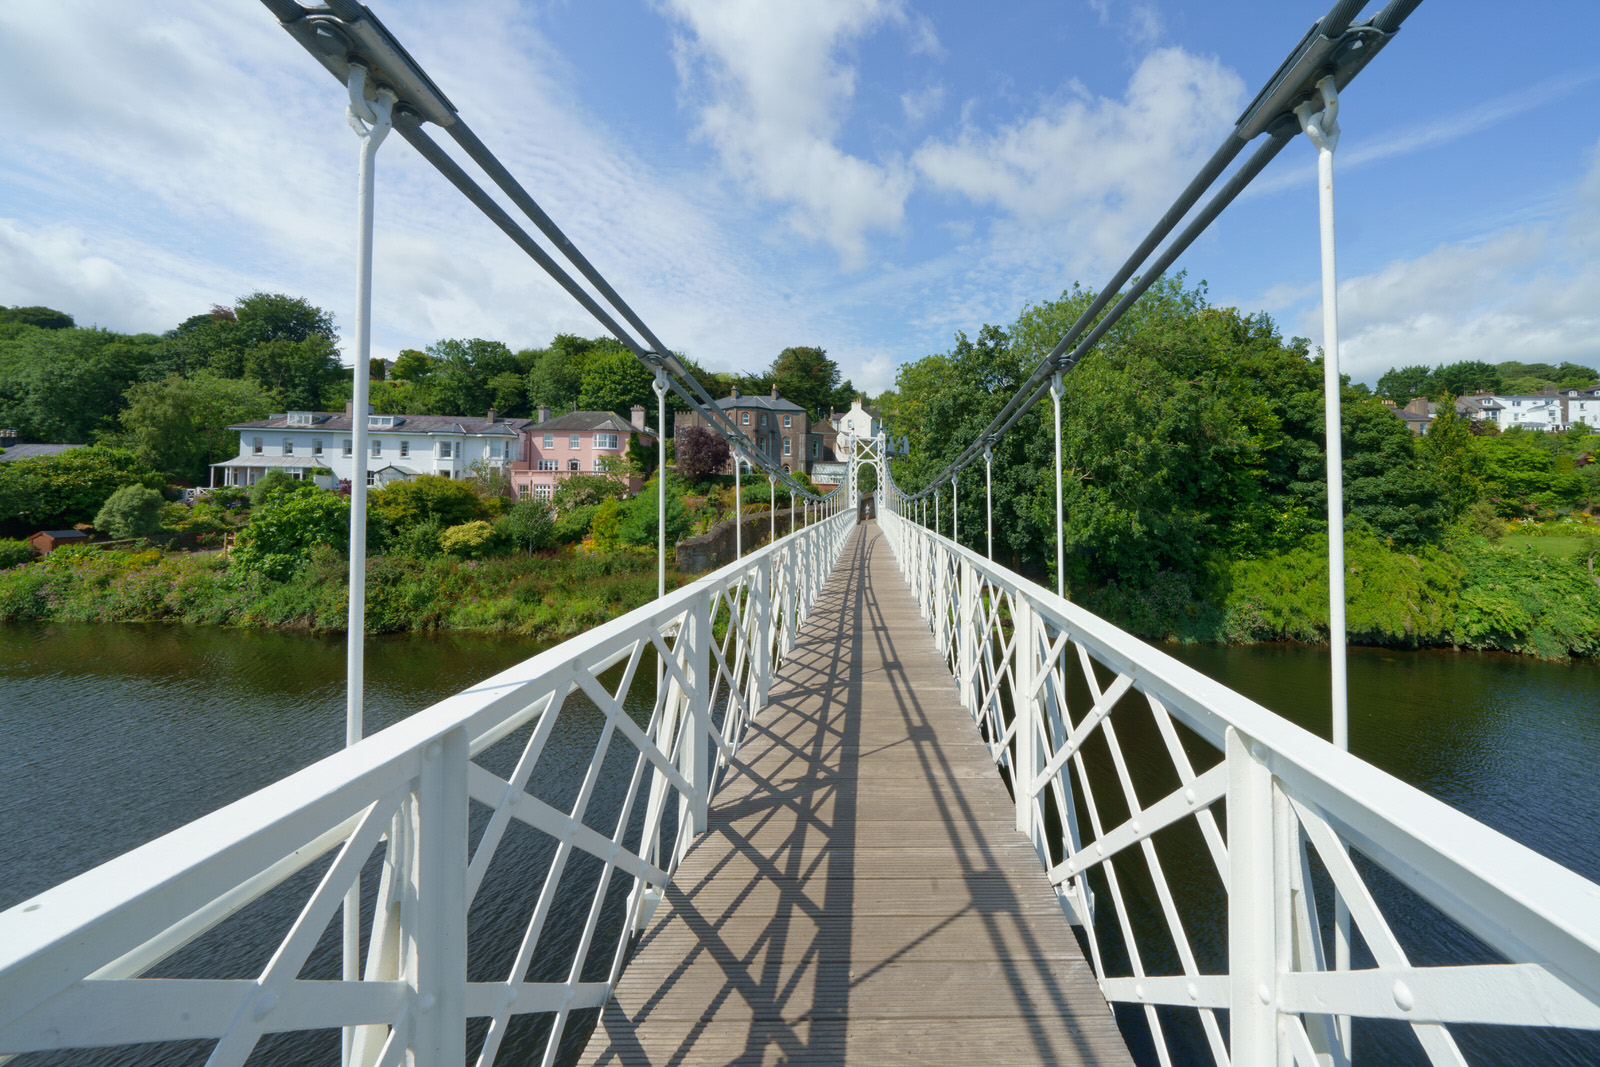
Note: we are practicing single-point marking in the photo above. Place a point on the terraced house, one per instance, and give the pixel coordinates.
(320, 445)
(579, 442)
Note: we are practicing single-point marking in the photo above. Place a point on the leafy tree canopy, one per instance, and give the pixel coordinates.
(53, 491)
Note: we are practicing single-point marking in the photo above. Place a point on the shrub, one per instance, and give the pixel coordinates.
(273, 481)
(287, 525)
(132, 511)
(402, 504)
(605, 523)
(13, 553)
(529, 524)
(586, 490)
(471, 540)
(638, 525)
(574, 525)
(420, 540)
(701, 453)
(54, 491)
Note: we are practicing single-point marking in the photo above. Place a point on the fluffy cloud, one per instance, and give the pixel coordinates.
(771, 92)
(1528, 293)
(1092, 172)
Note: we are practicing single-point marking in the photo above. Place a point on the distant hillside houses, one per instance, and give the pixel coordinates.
(1549, 410)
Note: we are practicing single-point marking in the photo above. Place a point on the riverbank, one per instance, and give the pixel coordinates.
(1469, 594)
(548, 597)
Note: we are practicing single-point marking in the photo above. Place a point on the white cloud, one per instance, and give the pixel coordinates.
(1528, 293)
(771, 90)
(922, 104)
(1080, 180)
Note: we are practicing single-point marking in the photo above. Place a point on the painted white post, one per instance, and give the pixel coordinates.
(371, 122)
(738, 511)
(772, 509)
(1252, 969)
(1061, 578)
(1322, 127)
(988, 498)
(439, 937)
(937, 526)
(955, 508)
(697, 664)
(1025, 669)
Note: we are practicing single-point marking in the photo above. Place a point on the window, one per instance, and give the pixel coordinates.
(505, 450)
(763, 418)
(255, 446)
(377, 448)
(816, 449)
(547, 465)
(574, 465)
(543, 492)
(405, 449)
(349, 448)
(380, 420)
(605, 440)
(316, 446)
(372, 478)
(288, 446)
(549, 440)
(572, 441)
(600, 463)
(786, 443)
(301, 418)
(744, 418)
(786, 422)
(444, 449)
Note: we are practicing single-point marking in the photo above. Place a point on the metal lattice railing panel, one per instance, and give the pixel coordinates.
(1222, 861)
(473, 825)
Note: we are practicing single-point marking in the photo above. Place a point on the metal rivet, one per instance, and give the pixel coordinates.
(1264, 993)
(1402, 996)
(1136, 826)
(265, 1003)
(1194, 991)
(431, 753)
(427, 1003)
(1188, 795)
(1099, 849)
(33, 907)
(1138, 990)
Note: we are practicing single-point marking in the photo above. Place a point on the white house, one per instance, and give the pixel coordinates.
(320, 445)
(861, 421)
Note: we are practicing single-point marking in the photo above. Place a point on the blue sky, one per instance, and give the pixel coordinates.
(865, 175)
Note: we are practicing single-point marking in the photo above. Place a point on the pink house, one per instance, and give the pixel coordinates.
(579, 442)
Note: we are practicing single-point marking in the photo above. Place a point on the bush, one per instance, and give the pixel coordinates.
(638, 525)
(420, 540)
(287, 525)
(529, 524)
(586, 490)
(701, 453)
(403, 504)
(471, 540)
(574, 525)
(59, 490)
(228, 496)
(605, 523)
(132, 511)
(14, 553)
(271, 482)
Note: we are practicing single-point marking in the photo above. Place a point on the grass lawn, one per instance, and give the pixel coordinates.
(1559, 547)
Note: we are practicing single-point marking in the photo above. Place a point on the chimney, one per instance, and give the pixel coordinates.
(638, 417)
(774, 391)
(349, 409)
(735, 393)
(544, 412)
(492, 415)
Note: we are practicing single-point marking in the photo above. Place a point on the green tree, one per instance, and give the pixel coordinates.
(299, 372)
(470, 540)
(1384, 486)
(806, 376)
(1449, 450)
(614, 380)
(638, 524)
(180, 425)
(411, 365)
(585, 490)
(263, 317)
(287, 526)
(49, 491)
(529, 524)
(1404, 384)
(277, 480)
(1464, 378)
(132, 511)
(67, 385)
(42, 317)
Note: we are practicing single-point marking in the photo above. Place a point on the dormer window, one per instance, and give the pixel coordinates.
(302, 418)
(381, 420)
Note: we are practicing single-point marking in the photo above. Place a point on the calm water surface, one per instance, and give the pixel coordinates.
(117, 734)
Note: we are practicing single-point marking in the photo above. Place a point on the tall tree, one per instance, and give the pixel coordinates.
(615, 381)
(180, 425)
(806, 376)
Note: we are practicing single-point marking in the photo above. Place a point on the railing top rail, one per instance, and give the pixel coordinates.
(1475, 873)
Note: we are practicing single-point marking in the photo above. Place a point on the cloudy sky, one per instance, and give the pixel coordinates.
(865, 175)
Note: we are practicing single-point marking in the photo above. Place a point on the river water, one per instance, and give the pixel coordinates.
(117, 734)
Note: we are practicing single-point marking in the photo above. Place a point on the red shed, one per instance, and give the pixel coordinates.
(46, 541)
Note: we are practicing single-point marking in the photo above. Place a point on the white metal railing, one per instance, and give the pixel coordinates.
(1243, 921)
(418, 793)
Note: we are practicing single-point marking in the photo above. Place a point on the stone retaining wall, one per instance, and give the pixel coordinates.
(714, 548)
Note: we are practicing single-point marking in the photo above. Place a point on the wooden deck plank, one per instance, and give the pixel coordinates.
(860, 895)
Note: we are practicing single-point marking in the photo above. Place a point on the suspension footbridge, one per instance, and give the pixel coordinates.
(861, 795)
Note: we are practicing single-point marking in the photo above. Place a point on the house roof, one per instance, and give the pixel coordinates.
(334, 422)
(604, 421)
(273, 461)
(768, 402)
(14, 452)
(63, 535)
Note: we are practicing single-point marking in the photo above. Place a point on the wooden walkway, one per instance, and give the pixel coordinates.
(861, 895)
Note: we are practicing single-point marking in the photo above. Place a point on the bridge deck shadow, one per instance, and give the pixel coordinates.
(861, 895)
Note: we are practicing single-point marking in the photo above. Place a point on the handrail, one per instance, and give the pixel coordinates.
(69, 956)
(1031, 667)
